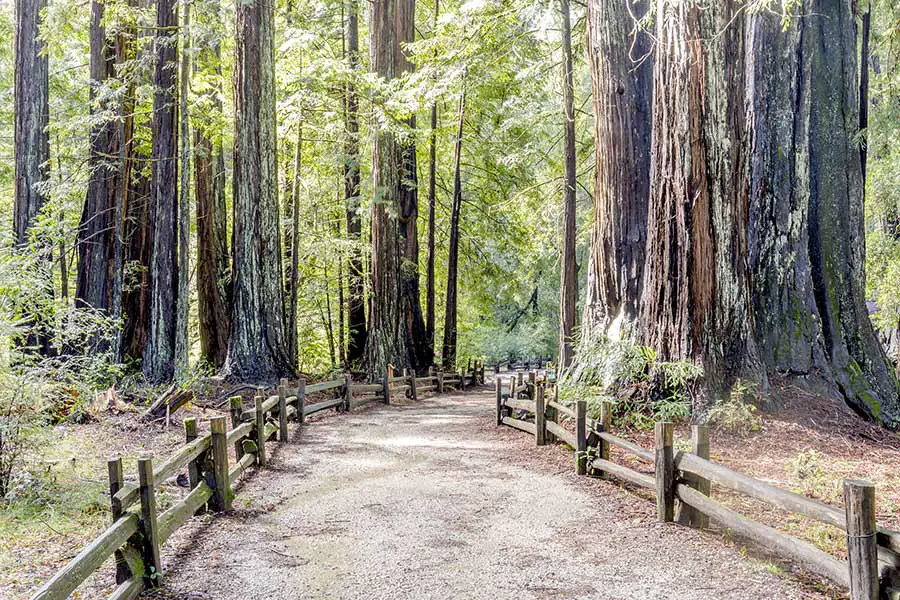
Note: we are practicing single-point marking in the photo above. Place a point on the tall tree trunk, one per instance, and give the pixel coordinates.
(356, 309)
(96, 232)
(184, 201)
(213, 273)
(622, 81)
(32, 93)
(432, 203)
(258, 348)
(159, 353)
(396, 327)
(31, 140)
(806, 235)
(448, 353)
(568, 286)
(696, 297)
(294, 280)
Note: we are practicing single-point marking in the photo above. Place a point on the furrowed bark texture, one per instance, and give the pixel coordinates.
(396, 326)
(568, 271)
(432, 201)
(96, 239)
(811, 315)
(356, 308)
(622, 82)
(159, 353)
(258, 346)
(213, 269)
(32, 93)
(696, 297)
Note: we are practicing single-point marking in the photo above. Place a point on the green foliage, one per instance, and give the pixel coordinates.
(738, 412)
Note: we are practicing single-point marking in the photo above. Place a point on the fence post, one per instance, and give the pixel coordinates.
(149, 529)
(282, 412)
(260, 431)
(700, 447)
(862, 548)
(498, 384)
(412, 385)
(665, 472)
(236, 403)
(190, 434)
(532, 381)
(348, 392)
(540, 416)
(604, 423)
(387, 386)
(301, 400)
(581, 437)
(116, 480)
(496, 368)
(221, 498)
(440, 381)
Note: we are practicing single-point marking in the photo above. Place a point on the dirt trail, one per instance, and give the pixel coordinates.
(430, 500)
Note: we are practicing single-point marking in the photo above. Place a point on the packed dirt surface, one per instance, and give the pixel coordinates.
(431, 500)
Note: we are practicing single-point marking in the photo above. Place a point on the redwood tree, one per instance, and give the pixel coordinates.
(258, 348)
(356, 309)
(622, 81)
(568, 285)
(448, 354)
(159, 353)
(396, 327)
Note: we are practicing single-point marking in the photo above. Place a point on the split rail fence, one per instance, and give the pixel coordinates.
(681, 482)
(139, 530)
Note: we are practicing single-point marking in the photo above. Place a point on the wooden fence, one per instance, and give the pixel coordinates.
(138, 529)
(686, 477)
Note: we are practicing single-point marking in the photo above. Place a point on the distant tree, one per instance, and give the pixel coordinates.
(568, 285)
(448, 354)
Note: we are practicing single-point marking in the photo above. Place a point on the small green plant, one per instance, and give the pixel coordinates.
(738, 413)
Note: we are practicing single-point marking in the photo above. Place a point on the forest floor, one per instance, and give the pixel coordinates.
(432, 499)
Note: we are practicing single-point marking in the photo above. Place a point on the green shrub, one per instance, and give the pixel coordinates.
(738, 413)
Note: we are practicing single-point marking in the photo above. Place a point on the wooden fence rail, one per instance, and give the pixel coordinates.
(138, 529)
(681, 482)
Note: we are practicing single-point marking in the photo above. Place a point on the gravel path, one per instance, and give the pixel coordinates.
(432, 501)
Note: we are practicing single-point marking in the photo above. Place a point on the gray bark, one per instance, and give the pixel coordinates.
(568, 269)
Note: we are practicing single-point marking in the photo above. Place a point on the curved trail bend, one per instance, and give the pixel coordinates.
(431, 500)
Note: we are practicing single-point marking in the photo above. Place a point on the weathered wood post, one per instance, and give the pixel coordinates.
(496, 368)
(540, 416)
(498, 385)
(440, 381)
(149, 528)
(665, 472)
(532, 382)
(301, 400)
(348, 392)
(700, 447)
(282, 412)
(512, 388)
(190, 434)
(520, 378)
(218, 477)
(236, 404)
(116, 480)
(387, 386)
(550, 415)
(260, 431)
(412, 386)
(581, 437)
(862, 547)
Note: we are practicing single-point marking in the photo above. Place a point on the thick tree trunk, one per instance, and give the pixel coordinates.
(568, 286)
(396, 327)
(448, 354)
(96, 232)
(432, 203)
(258, 348)
(811, 316)
(622, 82)
(864, 88)
(159, 353)
(213, 274)
(696, 297)
(356, 309)
(32, 93)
